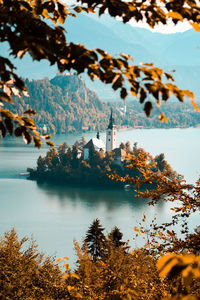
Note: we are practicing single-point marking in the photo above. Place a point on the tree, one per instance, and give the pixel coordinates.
(25, 273)
(95, 240)
(115, 236)
(128, 147)
(27, 27)
(122, 146)
(164, 185)
(82, 143)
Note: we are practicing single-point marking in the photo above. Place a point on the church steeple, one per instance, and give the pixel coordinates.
(111, 134)
(112, 121)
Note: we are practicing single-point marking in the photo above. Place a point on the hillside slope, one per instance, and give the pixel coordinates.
(64, 104)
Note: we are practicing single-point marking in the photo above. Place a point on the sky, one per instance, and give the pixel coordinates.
(166, 29)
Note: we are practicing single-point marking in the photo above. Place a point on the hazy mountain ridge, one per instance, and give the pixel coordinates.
(171, 51)
(64, 104)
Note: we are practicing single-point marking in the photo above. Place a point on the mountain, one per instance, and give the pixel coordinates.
(178, 51)
(64, 104)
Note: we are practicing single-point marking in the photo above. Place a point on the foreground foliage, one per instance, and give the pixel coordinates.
(25, 273)
(105, 269)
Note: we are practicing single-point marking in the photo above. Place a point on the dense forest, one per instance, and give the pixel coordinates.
(66, 165)
(105, 269)
(65, 104)
(180, 115)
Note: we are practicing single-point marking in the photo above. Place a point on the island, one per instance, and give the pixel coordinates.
(93, 163)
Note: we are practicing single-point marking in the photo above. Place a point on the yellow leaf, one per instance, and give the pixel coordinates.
(163, 260)
(66, 266)
(137, 230)
(61, 20)
(59, 259)
(162, 118)
(195, 26)
(65, 257)
(189, 94)
(175, 15)
(75, 276)
(65, 276)
(166, 263)
(45, 13)
(195, 105)
(133, 93)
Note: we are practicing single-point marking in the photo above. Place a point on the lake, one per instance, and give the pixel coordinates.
(56, 215)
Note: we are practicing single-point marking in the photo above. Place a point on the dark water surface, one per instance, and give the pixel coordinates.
(56, 215)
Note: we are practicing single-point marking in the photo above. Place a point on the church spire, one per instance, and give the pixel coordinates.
(112, 121)
(111, 134)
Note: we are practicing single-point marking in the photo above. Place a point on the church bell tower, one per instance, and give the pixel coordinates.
(111, 135)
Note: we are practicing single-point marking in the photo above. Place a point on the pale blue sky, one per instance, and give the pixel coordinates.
(170, 28)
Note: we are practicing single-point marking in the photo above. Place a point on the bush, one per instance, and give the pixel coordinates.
(27, 274)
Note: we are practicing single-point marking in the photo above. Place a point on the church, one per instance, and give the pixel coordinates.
(111, 143)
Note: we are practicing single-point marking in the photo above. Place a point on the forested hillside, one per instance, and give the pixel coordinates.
(65, 104)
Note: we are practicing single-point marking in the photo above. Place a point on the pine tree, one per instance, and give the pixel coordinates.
(115, 236)
(95, 240)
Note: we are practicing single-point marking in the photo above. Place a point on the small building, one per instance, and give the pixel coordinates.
(119, 156)
(95, 143)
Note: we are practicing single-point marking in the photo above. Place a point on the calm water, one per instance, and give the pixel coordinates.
(57, 215)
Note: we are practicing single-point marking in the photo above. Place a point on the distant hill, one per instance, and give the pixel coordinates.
(178, 51)
(65, 104)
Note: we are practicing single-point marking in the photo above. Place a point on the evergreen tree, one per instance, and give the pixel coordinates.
(82, 143)
(115, 236)
(122, 145)
(128, 147)
(75, 160)
(41, 164)
(95, 240)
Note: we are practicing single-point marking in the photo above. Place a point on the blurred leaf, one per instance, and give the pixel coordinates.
(37, 142)
(175, 15)
(9, 125)
(195, 105)
(2, 129)
(30, 112)
(5, 97)
(195, 26)
(26, 136)
(18, 131)
(148, 108)
(51, 144)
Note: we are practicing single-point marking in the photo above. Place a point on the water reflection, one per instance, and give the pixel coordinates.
(93, 198)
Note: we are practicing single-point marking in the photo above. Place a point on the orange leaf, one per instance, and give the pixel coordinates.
(195, 26)
(175, 15)
(195, 105)
(137, 230)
